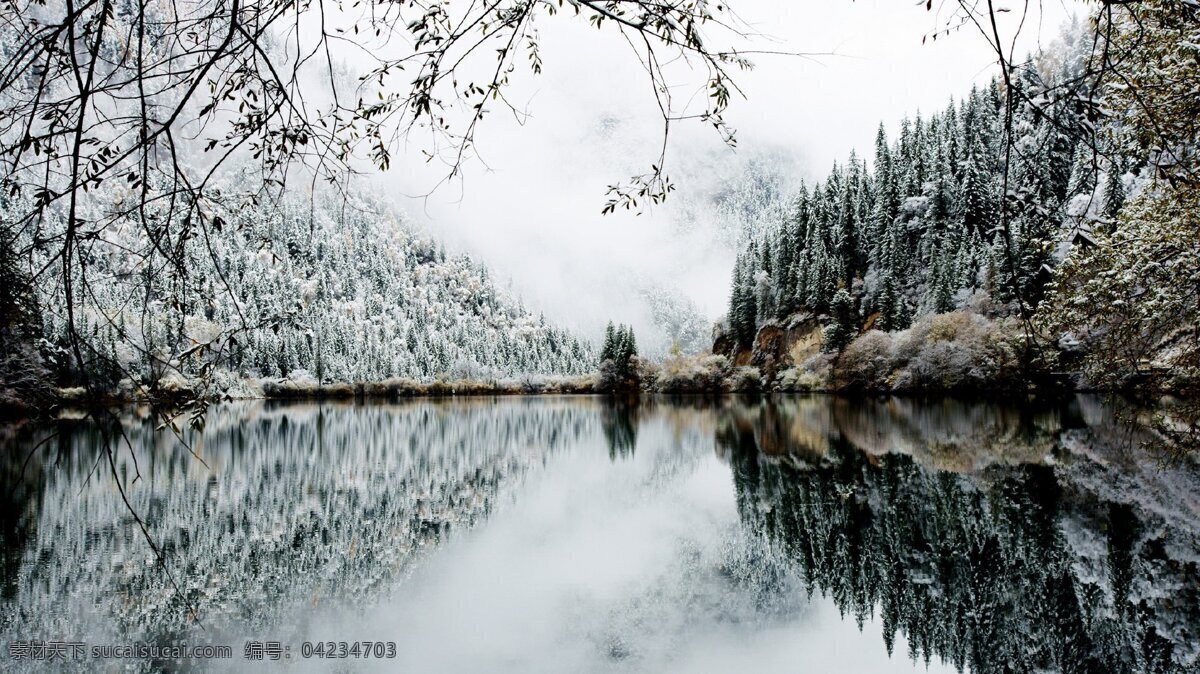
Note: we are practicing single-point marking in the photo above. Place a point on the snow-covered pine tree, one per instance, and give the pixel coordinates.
(844, 325)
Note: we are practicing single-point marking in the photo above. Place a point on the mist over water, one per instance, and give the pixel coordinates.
(583, 534)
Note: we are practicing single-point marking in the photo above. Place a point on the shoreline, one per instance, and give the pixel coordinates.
(698, 376)
(374, 392)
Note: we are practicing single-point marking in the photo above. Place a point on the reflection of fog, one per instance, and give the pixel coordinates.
(634, 565)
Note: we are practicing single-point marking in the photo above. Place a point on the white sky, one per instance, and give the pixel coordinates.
(532, 213)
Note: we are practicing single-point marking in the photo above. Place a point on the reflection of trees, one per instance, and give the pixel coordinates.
(303, 504)
(950, 434)
(20, 495)
(619, 420)
(1001, 538)
(994, 570)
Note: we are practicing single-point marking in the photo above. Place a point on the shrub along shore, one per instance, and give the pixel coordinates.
(958, 353)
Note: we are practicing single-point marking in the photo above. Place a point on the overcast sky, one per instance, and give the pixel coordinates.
(533, 212)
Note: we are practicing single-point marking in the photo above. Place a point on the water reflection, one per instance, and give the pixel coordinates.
(619, 420)
(651, 536)
(1001, 540)
(298, 505)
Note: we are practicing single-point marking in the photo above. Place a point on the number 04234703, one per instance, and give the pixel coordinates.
(348, 649)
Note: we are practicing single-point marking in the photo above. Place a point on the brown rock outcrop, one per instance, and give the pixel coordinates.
(777, 345)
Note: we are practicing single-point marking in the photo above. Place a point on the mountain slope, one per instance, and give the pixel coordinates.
(921, 229)
(331, 287)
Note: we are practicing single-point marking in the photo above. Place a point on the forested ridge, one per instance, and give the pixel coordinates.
(310, 289)
(1059, 203)
(911, 235)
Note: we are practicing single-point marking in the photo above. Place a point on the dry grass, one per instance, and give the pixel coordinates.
(692, 374)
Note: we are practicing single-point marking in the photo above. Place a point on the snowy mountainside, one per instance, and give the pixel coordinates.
(334, 288)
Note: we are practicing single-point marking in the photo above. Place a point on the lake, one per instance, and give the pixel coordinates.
(583, 534)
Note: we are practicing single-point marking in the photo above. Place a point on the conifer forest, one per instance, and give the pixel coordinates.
(600, 336)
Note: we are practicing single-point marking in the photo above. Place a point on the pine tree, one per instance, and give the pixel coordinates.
(976, 202)
(764, 285)
(942, 282)
(1114, 190)
(886, 204)
(844, 326)
(619, 351)
(785, 284)
(609, 350)
(745, 319)
(742, 305)
(845, 232)
(626, 351)
(1083, 172)
(19, 315)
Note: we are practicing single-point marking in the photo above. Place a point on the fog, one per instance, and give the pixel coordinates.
(529, 207)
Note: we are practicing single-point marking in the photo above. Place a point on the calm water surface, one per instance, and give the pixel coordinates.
(807, 534)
